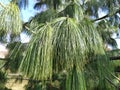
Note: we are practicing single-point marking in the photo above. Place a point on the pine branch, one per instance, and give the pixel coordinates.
(111, 82)
(106, 16)
(115, 58)
(4, 59)
(101, 18)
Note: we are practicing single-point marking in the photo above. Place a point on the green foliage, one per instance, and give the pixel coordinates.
(105, 29)
(34, 86)
(10, 20)
(3, 80)
(46, 16)
(17, 52)
(62, 44)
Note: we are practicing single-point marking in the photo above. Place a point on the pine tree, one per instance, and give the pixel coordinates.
(66, 44)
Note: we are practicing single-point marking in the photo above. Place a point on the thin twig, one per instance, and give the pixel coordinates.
(3, 6)
(116, 77)
(106, 16)
(29, 29)
(101, 18)
(111, 82)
